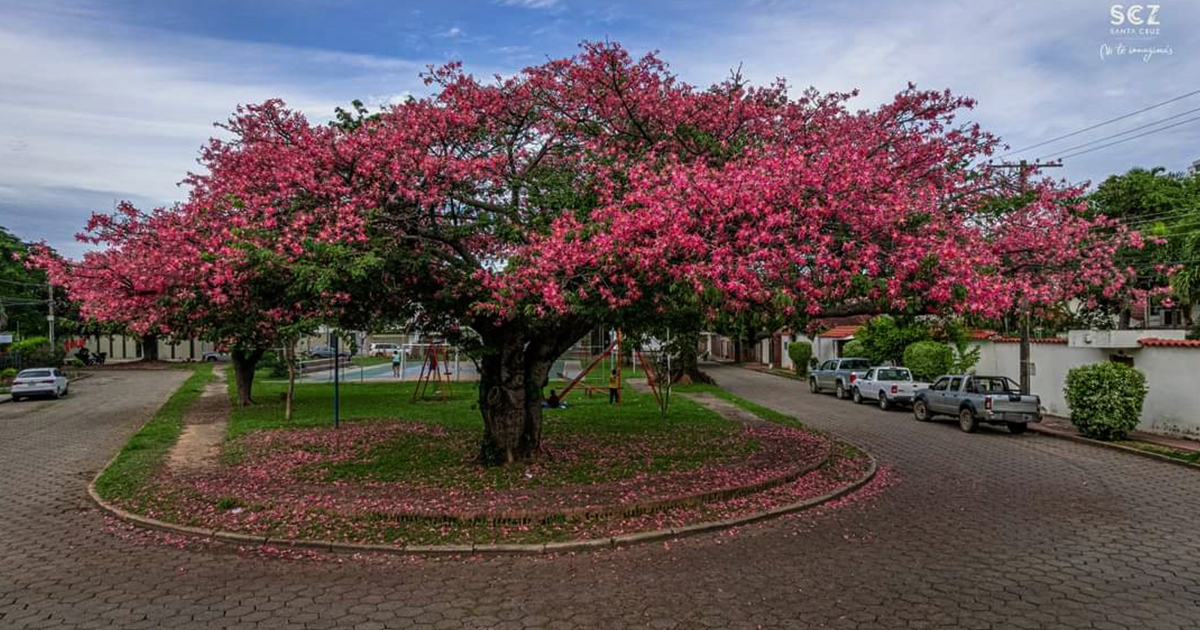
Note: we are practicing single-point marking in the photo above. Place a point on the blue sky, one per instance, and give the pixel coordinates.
(102, 101)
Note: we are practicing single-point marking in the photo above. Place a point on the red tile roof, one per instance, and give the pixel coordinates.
(839, 332)
(982, 334)
(1156, 342)
(1034, 340)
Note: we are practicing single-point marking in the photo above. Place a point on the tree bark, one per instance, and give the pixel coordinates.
(244, 363)
(687, 369)
(511, 373)
(149, 347)
(289, 355)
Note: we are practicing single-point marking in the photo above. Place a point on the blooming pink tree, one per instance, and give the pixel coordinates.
(597, 189)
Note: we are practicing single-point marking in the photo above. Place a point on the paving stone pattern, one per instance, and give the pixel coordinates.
(982, 531)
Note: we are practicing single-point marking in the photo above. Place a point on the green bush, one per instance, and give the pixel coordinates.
(928, 360)
(28, 344)
(274, 362)
(854, 348)
(800, 352)
(36, 352)
(8, 374)
(1105, 399)
(884, 340)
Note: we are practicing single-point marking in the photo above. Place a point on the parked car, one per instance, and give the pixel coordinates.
(50, 382)
(214, 356)
(886, 386)
(974, 399)
(325, 352)
(384, 349)
(838, 375)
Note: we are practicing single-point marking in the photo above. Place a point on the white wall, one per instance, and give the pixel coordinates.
(1172, 405)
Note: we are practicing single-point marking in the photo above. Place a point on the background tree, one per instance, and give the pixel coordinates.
(23, 291)
(1165, 208)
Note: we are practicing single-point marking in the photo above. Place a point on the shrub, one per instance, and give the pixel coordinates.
(800, 352)
(854, 348)
(884, 341)
(8, 374)
(928, 360)
(36, 352)
(1105, 399)
(273, 361)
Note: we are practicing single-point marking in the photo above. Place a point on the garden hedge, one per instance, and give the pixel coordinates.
(928, 360)
(1105, 399)
(800, 352)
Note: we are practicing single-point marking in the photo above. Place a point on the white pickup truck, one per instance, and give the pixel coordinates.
(886, 386)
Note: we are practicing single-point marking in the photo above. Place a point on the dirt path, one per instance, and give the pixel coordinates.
(203, 427)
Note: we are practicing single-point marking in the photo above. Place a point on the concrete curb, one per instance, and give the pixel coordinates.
(589, 544)
(1116, 447)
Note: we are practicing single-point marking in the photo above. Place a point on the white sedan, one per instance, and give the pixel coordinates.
(39, 382)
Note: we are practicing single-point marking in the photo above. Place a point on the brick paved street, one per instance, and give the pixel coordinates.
(982, 531)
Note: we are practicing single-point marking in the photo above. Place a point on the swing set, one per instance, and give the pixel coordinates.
(431, 373)
(661, 391)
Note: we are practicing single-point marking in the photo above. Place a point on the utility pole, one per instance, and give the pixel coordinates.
(1024, 169)
(50, 317)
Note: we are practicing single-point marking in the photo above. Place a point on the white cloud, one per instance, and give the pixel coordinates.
(532, 4)
(88, 115)
(1032, 66)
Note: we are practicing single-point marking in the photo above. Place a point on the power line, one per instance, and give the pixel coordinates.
(1101, 124)
(1123, 133)
(1140, 135)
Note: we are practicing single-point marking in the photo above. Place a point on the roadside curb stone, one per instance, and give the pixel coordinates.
(585, 544)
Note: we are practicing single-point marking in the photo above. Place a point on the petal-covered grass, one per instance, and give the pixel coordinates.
(403, 472)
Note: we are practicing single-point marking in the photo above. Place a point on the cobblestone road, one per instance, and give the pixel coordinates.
(981, 531)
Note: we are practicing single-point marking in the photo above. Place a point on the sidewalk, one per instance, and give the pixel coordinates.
(1052, 425)
(1055, 425)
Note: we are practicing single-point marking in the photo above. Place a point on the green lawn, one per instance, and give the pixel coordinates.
(590, 441)
(1190, 457)
(144, 452)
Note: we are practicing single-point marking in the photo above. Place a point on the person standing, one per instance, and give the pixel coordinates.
(613, 387)
(396, 363)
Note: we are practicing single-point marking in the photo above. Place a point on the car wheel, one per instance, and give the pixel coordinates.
(883, 402)
(920, 411)
(840, 392)
(857, 396)
(1017, 428)
(812, 386)
(967, 421)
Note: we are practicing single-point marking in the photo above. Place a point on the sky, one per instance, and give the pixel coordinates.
(106, 101)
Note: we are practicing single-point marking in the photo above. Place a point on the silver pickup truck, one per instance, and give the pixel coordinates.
(974, 399)
(838, 375)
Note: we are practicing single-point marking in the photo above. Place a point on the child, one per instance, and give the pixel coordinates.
(613, 383)
(396, 363)
(554, 402)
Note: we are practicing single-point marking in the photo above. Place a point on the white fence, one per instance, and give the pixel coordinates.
(1172, 405)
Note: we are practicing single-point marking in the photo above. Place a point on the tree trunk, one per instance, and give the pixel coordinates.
(289, 355)
(244, 363)
(512, 370)
(687, 368)
(149, 347)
